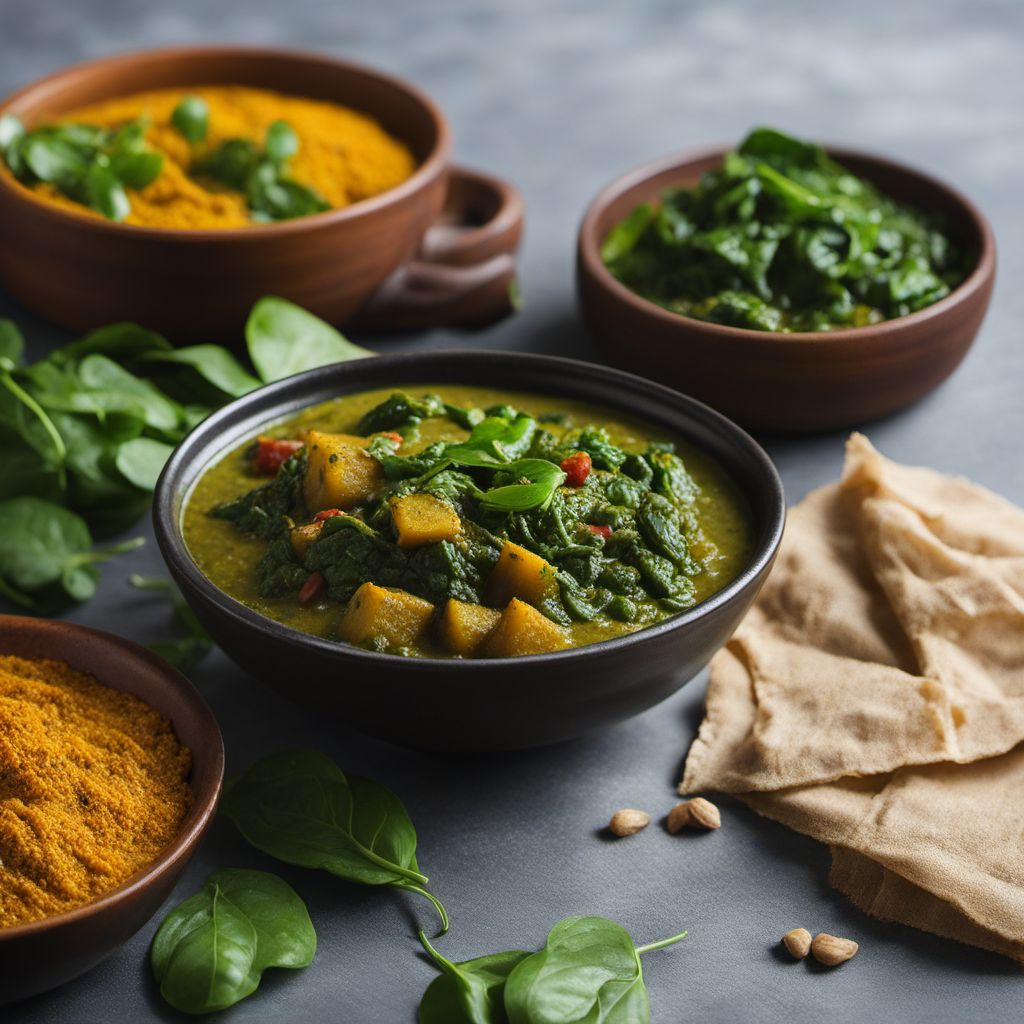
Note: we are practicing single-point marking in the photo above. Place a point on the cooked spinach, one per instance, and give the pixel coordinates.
(89, 427)
(781, 237)
(210, 952)
(301, 808)
(91, 166)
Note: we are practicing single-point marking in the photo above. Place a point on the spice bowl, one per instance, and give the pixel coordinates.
(797, 382)
(436, 250)
(43, 954)
(475, 704)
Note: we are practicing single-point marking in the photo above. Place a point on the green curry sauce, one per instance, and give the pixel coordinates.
(654, 528)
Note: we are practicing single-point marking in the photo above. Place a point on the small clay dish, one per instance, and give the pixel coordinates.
(438, 249)
(42, 954)
(800, 382)
(475, 704)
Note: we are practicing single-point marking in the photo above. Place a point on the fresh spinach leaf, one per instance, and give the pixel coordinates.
(589, 970)
(281, 142)
(284, 339)
(210, 952)
(46, 554)
(300, 807)
(106, 193)
(214, 364)
(471, 992)
(141, 460)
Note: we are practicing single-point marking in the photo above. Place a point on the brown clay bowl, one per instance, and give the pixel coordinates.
(799, 382)
(443, 240)
(42, 954)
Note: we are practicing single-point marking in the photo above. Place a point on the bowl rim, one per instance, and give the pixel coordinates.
(202, 811)
(433, 164)
(167, 526)
(589, 253)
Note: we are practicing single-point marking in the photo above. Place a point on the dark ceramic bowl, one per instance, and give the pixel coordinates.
(42, 954)
(492, 704)
(438, 249)
(798, 382)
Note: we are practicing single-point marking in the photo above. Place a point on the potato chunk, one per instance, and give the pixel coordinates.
(340, 474)
(382, 613)
(520, 573)
(523, 630)
(302, 536)
(423, 519)
(464, 626)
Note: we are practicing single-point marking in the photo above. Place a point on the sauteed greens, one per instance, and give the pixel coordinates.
(464, 522)
(783, 238)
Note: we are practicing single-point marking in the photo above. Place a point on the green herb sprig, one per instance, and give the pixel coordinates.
(261, 173)
(89, 165)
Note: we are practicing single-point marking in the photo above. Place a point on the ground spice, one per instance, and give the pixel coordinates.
(343, 154)
(92, 788)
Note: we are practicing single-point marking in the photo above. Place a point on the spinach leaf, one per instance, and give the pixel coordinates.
(540, 481)
(471, 992)
(588, 970)
(184, 652)
(214, 364)
(46, 556)
(191, 117)
(106, 193)
(301, 808)
(210, 952)
(398, 410)
(284, 339)
(262, 511)
(141, 460)
(281, 142)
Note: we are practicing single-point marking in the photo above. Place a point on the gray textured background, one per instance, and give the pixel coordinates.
(561, 97)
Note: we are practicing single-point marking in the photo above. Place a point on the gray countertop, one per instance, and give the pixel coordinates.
(561, 97)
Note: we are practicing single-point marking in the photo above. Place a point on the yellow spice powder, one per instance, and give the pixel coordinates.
(343, 154)
(92, 788)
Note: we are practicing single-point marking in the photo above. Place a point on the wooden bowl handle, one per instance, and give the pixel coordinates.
(463, 274)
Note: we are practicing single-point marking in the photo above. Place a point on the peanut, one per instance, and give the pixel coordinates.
(797, 942)
(832, 950)
(627, 821)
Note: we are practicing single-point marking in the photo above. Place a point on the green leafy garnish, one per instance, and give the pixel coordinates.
(783, 238)
(301, 808)
(90, 165)
(191, 117)
(210, 952)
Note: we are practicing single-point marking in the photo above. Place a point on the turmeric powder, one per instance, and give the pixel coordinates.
(344, 155)
(92, 788)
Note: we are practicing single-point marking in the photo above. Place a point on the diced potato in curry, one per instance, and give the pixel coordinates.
(523, 630)
(423, 519)
(339, 474)
(464, 626)
(382, 613)
(520, 573)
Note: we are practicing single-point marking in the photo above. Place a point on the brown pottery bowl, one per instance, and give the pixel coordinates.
(438, 249)
(475, 704)
(42, 954)
(798, 382)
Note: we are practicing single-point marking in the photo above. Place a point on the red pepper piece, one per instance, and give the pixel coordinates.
(576, 469)
(394, 435)
(328, 513)
(314, 586)
(271, 452)
(604, 532)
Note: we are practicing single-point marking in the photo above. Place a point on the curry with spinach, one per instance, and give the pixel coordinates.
(466, 522)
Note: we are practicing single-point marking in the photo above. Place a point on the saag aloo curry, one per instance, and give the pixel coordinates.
(466, 522)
